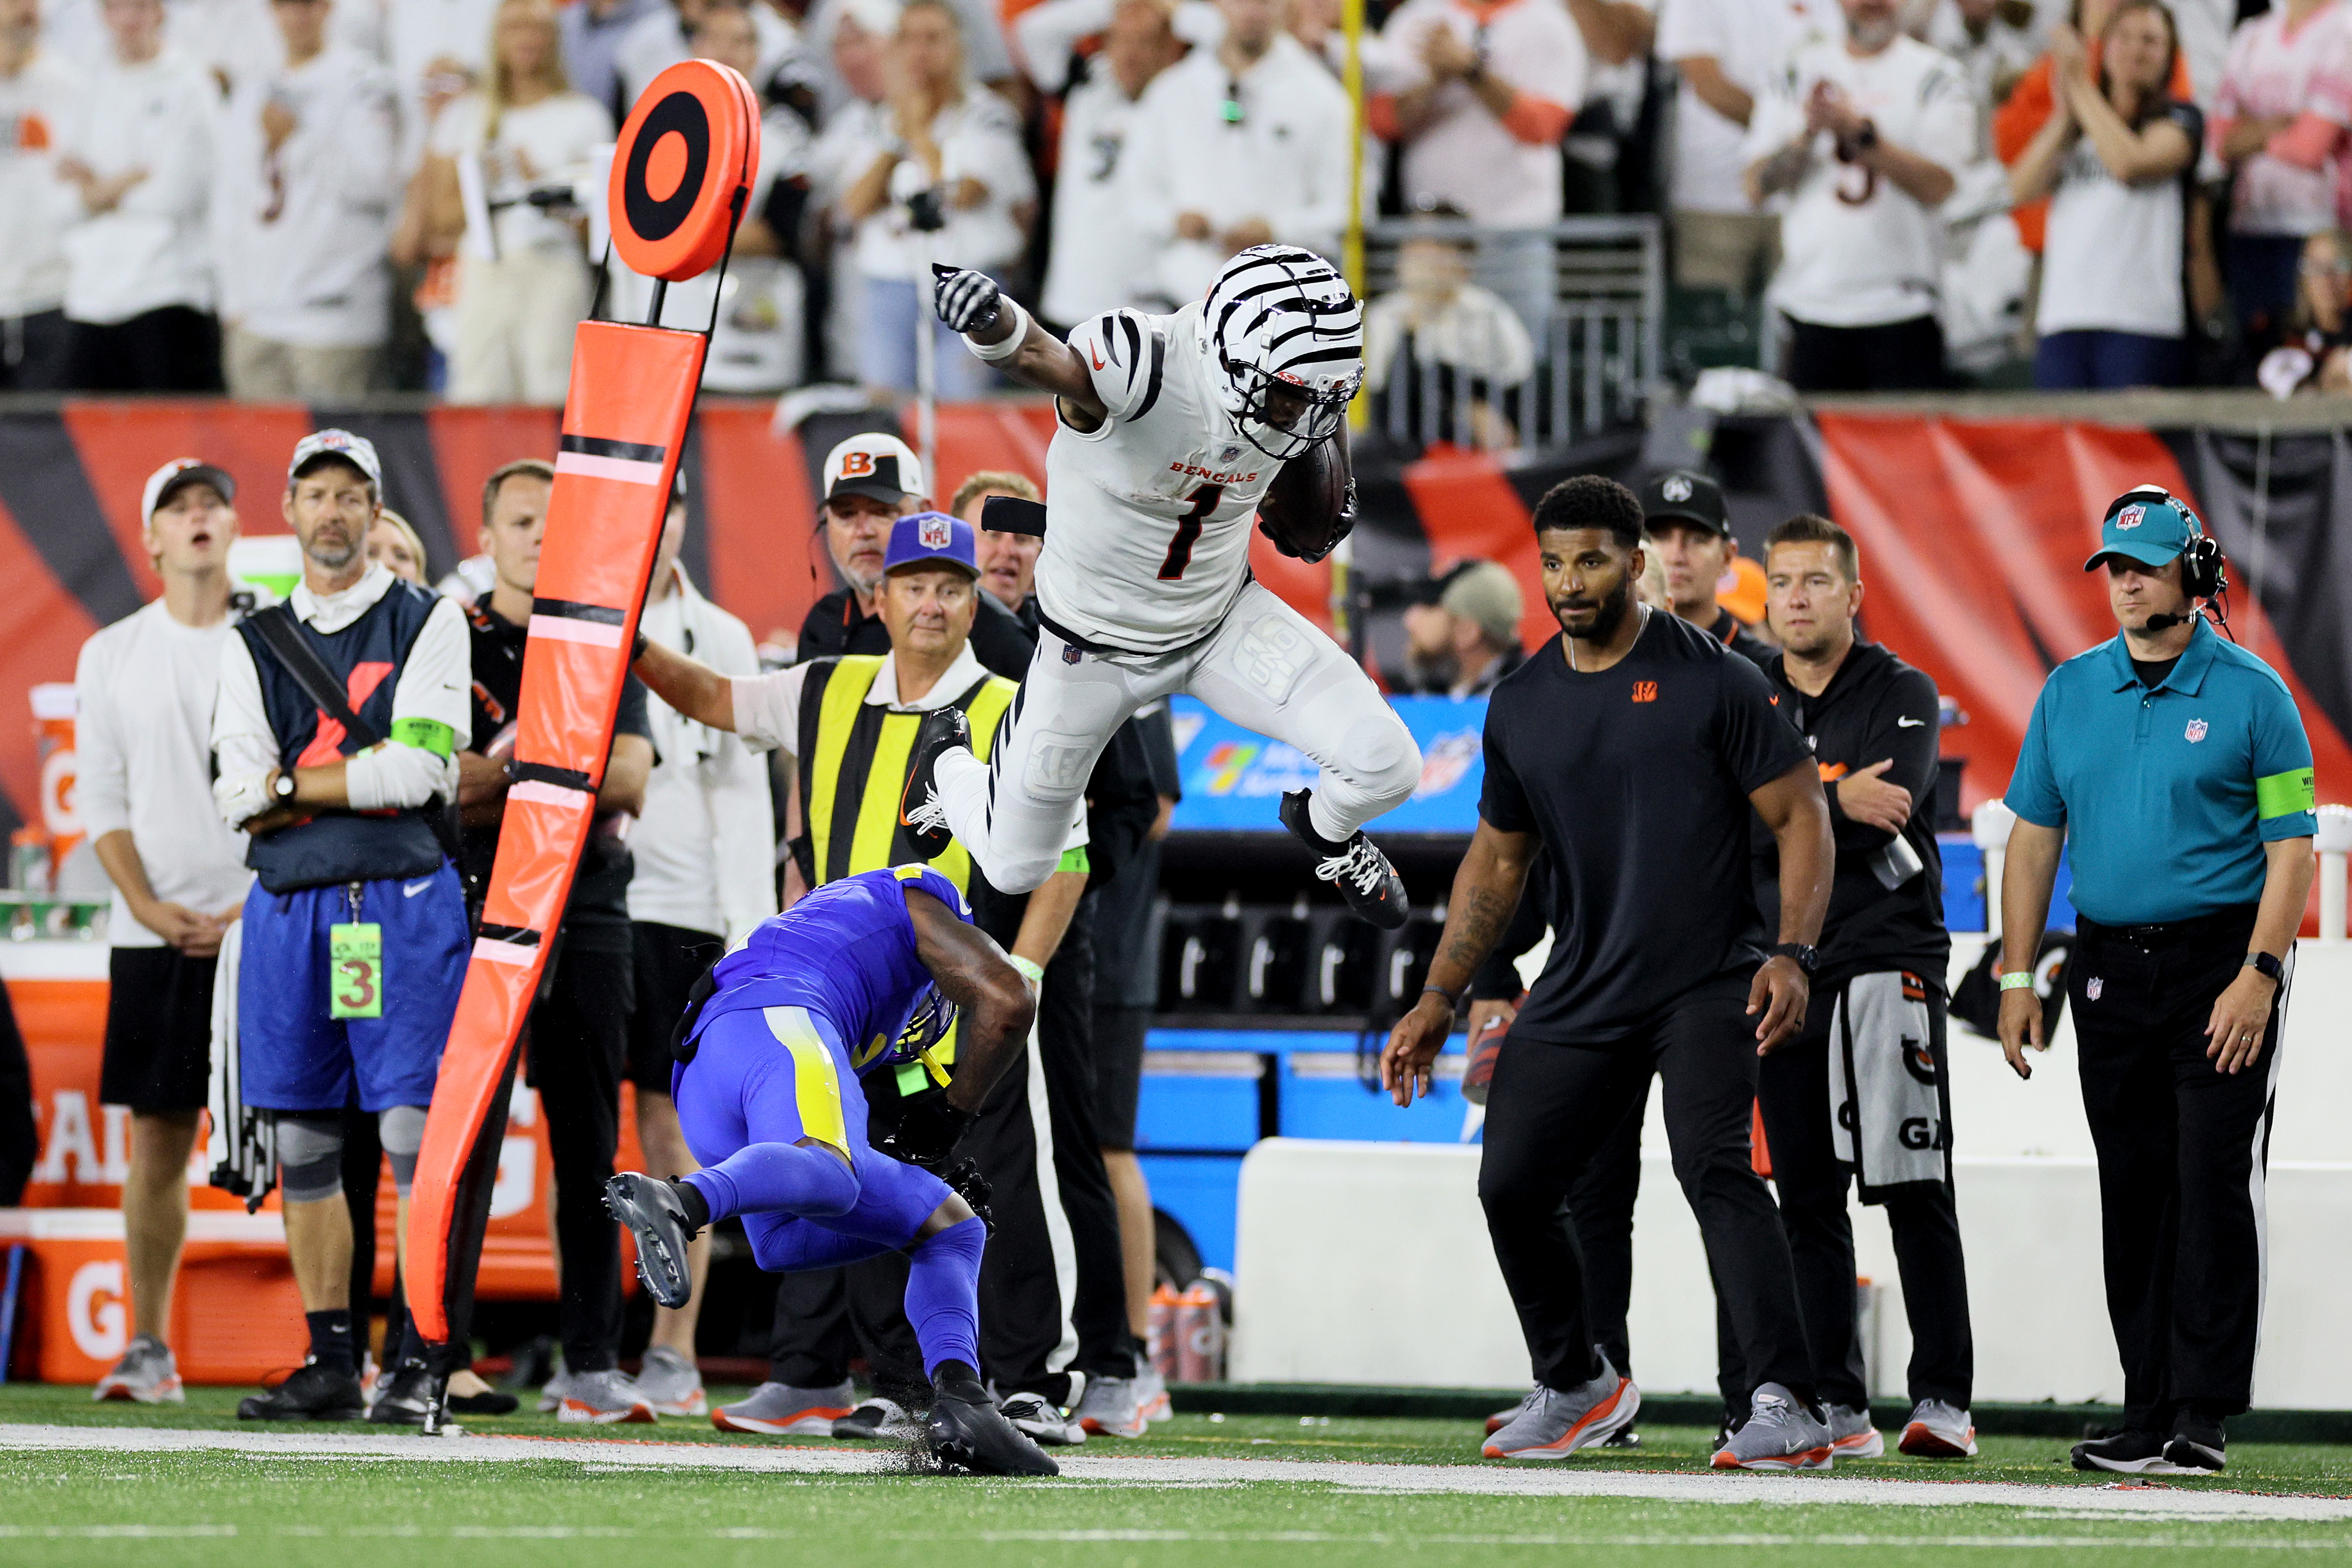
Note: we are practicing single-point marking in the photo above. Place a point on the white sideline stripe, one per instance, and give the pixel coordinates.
(565, 629)
(1273, 1538)
(2169, 1504)
(627, 470)
(538, 793)
(497, 952)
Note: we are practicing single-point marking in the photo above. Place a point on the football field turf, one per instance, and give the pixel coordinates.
(88, 1484)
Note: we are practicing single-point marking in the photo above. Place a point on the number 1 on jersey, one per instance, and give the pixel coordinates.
(1188, 531)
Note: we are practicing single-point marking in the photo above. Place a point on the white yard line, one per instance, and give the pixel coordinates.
(2171, 1504)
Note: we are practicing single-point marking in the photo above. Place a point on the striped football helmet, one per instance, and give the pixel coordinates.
(1285, 338)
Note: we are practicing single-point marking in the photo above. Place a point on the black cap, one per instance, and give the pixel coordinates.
(1684, 497)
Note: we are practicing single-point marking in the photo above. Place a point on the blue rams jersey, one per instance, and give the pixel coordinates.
(846, 951)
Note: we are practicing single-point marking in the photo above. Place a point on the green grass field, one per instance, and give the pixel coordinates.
(614, 1500)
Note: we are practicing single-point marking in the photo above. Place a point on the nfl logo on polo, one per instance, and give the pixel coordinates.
(2092, 990)
(1676, 489)
(2196, 730)
(2130, 518)
(934, 533)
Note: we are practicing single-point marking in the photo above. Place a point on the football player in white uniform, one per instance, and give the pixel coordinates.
(1170, 429)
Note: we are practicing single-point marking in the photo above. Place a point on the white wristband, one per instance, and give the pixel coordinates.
(1029, 971)
(1010, 346)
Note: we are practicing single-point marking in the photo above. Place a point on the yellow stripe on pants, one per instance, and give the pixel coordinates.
(817, 1081)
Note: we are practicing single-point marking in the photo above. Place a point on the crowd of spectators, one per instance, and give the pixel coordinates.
(318, 198)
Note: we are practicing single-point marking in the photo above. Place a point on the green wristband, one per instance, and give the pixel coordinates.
(1031, 972)
(2017, 981)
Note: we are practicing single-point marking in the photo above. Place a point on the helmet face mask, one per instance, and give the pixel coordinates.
(1285, 339)
(928, 1024)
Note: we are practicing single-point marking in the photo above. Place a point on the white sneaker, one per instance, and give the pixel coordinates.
(1152, 1394)
(147, 1375)
(671, 1383)
(604, 1399)
(1852, 1437)
(1043, 1423)
(1939, 1431)
(1112, 1407)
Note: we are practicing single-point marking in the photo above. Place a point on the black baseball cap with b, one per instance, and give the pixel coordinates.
(1682, 497)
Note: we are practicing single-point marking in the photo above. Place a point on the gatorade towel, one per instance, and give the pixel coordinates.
(680, 176)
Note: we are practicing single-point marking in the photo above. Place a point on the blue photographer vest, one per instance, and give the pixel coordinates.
(336, 844)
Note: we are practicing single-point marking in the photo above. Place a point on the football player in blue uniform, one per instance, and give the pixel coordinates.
(866, 973)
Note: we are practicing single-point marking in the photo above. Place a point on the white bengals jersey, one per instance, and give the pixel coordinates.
(1149, 518)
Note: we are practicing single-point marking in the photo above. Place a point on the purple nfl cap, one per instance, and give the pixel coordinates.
(928, 536)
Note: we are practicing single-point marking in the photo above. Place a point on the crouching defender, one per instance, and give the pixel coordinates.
(864, 974)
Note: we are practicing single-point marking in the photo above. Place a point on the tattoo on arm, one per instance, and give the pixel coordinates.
(1476, 926)
(1783, 169)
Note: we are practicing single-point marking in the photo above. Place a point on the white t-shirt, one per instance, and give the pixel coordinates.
(1752, 41)
(33, 105)
(655, 42)
(1285, 160)
(301, 231)
(421, 32)
(2112, 260)
(1475, 332)
(2273, 71)
(153, 248)
(705, 843)
(1856, 250)
(1100, 260)
(1465, 155)
(979, 137)
(546, 143)
(1999, 57)
(142, 743)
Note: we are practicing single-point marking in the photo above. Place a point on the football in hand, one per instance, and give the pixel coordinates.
(1311, 505)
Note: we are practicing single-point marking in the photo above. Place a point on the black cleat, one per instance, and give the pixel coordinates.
(1362, 873)
(968, 1432)
(405, 1400)
(920, 815)
(2127, 1453)
(311, 1394)
(649, 1206)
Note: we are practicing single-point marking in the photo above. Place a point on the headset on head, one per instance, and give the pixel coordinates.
(2204, 571)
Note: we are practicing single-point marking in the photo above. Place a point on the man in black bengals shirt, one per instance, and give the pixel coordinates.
(1630, 751)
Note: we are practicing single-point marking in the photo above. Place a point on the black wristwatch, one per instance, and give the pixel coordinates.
(1807, 958)
(2268, 968)
(282, 788)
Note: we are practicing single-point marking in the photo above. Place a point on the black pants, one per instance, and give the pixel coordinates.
(170, 349)
(1601, 1208)
(579, 1034)
(1793, 1090)
(2181, 1149)
(1550, 1111)
(1900, 356)
(20, 1139)
(826, 1315)
(1065, 1037)
(36, 352)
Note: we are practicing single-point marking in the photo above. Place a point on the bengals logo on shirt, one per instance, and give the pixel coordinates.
(1645, 691)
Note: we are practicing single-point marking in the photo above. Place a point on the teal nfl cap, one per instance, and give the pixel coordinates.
(928, 536)
(2150, 526)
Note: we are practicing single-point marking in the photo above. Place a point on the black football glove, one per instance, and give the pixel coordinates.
(971, 1186)
(928, 1132)
(966, 301)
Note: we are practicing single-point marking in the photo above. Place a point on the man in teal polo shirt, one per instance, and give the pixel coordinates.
(2175, 764)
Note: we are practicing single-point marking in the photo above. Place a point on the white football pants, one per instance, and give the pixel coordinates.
(1267, 668)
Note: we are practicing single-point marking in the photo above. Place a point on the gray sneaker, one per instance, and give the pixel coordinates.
(1112, 1408)
(671, 1383)
(879, 1418)
(781, 1410)
(1852, 1437)
(1551, 1425)
(146, 1374)
(1152, 1394)
(551, 1391)
(1939, 1431)
(1779, 1435)
(604, 1399)
(1043, 1423)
